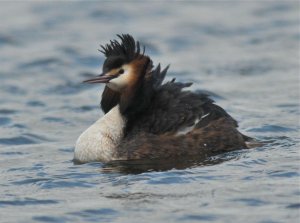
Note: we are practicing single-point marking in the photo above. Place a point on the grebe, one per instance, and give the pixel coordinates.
(145, 119)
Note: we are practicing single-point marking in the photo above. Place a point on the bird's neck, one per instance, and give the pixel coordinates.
(99, 141)
(131, 99)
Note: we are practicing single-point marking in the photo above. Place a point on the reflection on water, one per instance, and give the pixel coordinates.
(244, 54)
(141, 166)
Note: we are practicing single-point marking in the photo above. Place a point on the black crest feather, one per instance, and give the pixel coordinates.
(127, 48)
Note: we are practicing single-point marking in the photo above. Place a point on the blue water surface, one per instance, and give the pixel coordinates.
(245, 52)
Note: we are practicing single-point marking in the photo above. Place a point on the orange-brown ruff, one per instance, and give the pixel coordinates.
(145, 119)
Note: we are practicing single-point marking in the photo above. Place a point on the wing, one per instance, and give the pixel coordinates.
(217, 137)
(173, 110)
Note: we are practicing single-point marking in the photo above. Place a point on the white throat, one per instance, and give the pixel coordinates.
(99, 141)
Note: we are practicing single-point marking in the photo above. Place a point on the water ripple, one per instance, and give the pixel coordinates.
(272, 128)
(30, 181)
(18, 140)
(4, 121)
(7, 40)
(23, 140)
(50, 219)
(41, 63)
(27, 201)
(67, 88)
(56, 120)
(294, 206)
(285, 174)
(15, 90)
(35, 103)
(65, 184)
(102, 211)
(7, 111)
(251, 201)
(199, 218)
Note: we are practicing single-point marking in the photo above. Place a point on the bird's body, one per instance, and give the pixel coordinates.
(146, 119)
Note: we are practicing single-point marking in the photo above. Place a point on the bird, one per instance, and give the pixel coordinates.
(147, 118)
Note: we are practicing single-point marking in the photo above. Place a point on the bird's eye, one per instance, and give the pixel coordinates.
(121, 71)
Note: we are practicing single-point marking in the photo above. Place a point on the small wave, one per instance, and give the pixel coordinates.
(7, 111)
(102, 211)
(105, 15)
(247, 68)
(279, 7)
(7, 40)
(50, 219)
(35, 104)
(284, 174)
(251, 201)
(19, 140)
(14, 90)
(67, 88)
(294, 206)
(23, 140)
(97, 215)
(41, 63)
(83, 108)
(27, 201)
(197, 218)
(30, 181)
(272, 128)
(56, 120)
(12, 153)
(4, 121)
(65, 184)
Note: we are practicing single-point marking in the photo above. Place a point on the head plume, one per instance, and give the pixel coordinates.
(127, 48)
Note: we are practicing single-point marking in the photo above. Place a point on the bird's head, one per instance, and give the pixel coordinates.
(128, 75)
(124, 66)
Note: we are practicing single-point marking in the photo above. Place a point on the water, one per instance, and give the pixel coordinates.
(247, 53)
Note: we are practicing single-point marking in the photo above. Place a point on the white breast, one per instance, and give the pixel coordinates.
(99, 141)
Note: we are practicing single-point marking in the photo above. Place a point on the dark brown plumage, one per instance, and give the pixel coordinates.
(156, 113)
(217, 137)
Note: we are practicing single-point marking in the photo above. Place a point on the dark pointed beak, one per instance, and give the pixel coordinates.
(102, 78)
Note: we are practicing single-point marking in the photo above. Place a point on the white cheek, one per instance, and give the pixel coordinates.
(120, 82)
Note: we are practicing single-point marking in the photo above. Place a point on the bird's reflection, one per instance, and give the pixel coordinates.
(141, 166)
